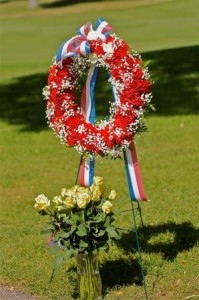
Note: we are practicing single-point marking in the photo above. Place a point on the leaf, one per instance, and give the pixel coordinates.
(81, 230)
(54, 250)
(73, 228)
(63, 215)
(75, 251)
(107, 221)
(83, 244)
(152, 107)
(67, 220)
(76, 218)
(63, 234)
(112, 232)
(104, 247)
(100, 233)
(47, 229)
(56, 266)
(67, 254)
(98, 219)
(58, 262)
(145, 63)
(52, 276)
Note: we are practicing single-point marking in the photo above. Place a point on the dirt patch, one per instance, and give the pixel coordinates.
(10, 293)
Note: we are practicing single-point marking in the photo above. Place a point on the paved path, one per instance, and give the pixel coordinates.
(10, 293)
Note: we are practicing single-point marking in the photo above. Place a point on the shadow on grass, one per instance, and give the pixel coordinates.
(175, 72)
(4, 1)
(60, 3)
(120, 272)
(168, 239)
(175, 92)
(21, 102)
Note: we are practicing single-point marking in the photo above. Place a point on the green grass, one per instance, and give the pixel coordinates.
(30, 37)
(34, 162)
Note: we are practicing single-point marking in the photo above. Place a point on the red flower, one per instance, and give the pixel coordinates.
(96, 47)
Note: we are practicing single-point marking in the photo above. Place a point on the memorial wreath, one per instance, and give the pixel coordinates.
(130, 83)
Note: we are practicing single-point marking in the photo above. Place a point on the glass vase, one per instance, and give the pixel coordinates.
(89, 279)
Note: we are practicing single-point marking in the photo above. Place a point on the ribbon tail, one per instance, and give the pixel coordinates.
(87, 166)
(86, 172)
(87, 97)
(134, 179)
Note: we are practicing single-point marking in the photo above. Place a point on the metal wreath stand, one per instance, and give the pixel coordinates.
(86, 169)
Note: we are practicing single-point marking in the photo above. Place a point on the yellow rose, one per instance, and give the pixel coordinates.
(107, 207)
(63, 192)
(97, 180)
(82, 203)
(83, 197)
(82, 189)
(42, 202)
(96, 192)
(68, 203)
(57, 200)
(112, 195)
(71, 193)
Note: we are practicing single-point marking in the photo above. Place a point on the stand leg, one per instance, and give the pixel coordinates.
(138, 248)
(76, 180)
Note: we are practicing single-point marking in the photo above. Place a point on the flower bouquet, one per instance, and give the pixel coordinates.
(81, 223)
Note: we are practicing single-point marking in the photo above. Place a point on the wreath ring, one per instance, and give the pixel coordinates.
(130, 83)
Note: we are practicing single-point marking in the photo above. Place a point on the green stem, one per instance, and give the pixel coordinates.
(90, 285)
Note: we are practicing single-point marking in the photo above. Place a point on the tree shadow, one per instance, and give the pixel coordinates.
(21, 102)
(176, 76)
(168, 239)
(4, 1)
(61, 3)
(175, 91)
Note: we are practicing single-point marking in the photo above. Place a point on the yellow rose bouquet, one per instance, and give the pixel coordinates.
(81, 222)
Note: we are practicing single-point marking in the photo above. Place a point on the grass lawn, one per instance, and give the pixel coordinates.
(34, 162)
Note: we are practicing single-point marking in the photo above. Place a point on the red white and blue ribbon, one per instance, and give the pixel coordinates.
(134, 179)
(87, 97)
(132, 168)
(86, 172)
(80, 43)
(87, 165)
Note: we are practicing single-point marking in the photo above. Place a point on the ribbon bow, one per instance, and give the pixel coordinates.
(80, 43)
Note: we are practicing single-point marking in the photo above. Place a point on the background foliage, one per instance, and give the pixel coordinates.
(34, 162)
